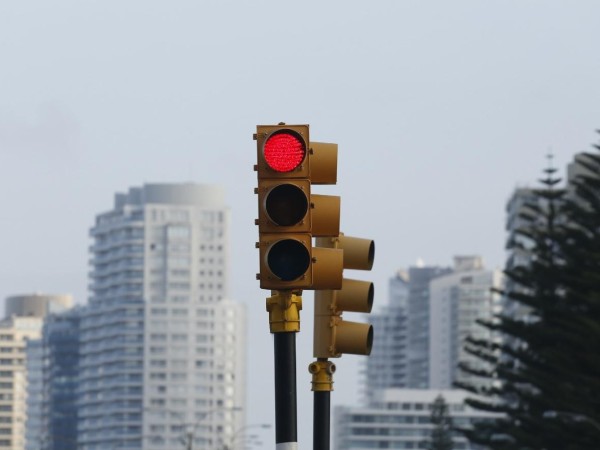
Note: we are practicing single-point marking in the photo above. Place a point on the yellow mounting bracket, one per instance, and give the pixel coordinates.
(322, 374)
(284, 311)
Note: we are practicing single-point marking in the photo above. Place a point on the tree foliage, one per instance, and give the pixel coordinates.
(441, 433)
(544, 371)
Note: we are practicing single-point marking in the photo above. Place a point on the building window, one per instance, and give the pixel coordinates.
(178, 232)
(179, 337)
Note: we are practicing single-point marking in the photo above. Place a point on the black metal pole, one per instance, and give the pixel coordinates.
(286, 431)
(321, 415)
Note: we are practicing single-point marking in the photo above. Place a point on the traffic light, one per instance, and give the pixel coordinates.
(290, 215)
(334, 336)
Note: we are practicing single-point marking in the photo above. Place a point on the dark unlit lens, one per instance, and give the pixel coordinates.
(286, 205)
(288, 259)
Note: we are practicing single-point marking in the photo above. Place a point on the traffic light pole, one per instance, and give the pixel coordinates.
(322, 372)
(286, 433)
(284, 321)
(321, 420)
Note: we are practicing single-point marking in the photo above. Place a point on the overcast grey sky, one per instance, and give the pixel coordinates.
(440, 109)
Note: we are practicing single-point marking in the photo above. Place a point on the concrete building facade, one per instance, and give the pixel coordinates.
(162, 345)
(23, 322)
(52, 380)
(386, 366)
(400, 419)
(457, 301)
(418, 323)
(418, 343)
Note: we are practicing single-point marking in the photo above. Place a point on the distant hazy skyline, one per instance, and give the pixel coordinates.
(440, 110)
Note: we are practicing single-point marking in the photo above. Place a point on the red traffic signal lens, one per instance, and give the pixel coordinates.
(284, 151)
(286, 205)
(288, 259)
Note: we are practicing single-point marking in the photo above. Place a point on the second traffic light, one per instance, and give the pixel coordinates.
(289, 214)
(333, 335)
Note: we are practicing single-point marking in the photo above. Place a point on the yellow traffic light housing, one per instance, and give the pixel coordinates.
(334, 336)
(288, 261)
(289, 215)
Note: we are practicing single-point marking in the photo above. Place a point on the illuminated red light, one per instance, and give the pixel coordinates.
(284, 151)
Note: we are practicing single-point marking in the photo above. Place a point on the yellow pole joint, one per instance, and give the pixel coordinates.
(284, 311)
(322, 372)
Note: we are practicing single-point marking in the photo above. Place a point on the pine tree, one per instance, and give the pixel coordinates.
(575, 381)
(545, 374)
(441, 434)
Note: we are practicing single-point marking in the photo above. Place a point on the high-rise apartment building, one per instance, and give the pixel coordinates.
(161, 343)
(34, 421)
(419, 335)
(418, 323)
(418, 343)
(457, 300)
(517, 245)
(52, 379)
(23, 321)
(400, 355)
(386, 366)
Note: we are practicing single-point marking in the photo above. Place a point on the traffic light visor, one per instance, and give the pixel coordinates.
(284, 150)
(288, 259)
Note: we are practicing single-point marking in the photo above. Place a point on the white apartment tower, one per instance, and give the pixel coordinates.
(420, 334)
(23, 322)
(418, 344)
(400, 355)
(457, 301)
(162, 361)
